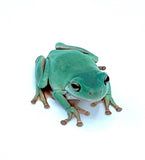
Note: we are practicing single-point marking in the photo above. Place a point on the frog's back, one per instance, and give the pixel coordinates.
(66, 64)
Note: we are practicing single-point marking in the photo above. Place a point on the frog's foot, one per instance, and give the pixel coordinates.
(102, 67)
(40, 95)
(72, 112)
(108, 100)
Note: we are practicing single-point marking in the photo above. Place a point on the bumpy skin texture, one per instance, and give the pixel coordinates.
(70, 74)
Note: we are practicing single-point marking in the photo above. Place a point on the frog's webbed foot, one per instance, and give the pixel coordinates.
(72, 112)
(108, 100)
(40, 95)
(74, 103)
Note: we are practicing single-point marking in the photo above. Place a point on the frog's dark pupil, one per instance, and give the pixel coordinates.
(76, 87)
(106, 80)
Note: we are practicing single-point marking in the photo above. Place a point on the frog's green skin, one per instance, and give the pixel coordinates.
(72, 73)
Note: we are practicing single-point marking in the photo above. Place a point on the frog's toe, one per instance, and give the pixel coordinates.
(84, 112)
(79, 124)
(79, 109)
(63, 122)
(107, 112)
(118, 109)
(46, 106)
(87, 113)
(72, 112)
(34, 100)
(93, 104)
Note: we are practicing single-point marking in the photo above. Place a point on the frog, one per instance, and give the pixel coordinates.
(71, 74)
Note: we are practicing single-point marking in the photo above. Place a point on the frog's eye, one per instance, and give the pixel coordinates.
(106, 80)
(76, 87)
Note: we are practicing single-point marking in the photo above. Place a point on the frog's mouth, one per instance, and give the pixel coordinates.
(72, 96)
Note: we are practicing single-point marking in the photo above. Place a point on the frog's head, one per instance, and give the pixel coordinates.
(92, 86)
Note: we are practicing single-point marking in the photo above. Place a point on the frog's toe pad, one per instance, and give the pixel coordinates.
(93, 104)
(108, 112)
(46, 106)
(119, 109)
(63, 122)
(34, 100)
(79, 124)
(87, 113)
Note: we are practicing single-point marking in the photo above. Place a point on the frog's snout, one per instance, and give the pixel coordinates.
(101, 86)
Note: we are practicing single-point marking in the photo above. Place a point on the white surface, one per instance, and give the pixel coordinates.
(115, 31)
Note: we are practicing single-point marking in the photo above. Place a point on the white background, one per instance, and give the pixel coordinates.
(112, 29)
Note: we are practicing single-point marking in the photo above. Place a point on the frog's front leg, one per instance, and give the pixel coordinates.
(71, 111)
(41, 76)
(108, 100)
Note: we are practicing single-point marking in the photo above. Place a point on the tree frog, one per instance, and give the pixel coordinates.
(71, 74)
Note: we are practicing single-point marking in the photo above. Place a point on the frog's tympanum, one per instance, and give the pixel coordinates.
(70, 74)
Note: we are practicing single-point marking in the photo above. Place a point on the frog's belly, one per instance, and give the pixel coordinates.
(70, 97)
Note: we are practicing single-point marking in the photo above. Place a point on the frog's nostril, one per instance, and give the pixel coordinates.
(90, 93)
(106, 80)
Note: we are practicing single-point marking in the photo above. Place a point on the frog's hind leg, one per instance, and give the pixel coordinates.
(41, 75)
